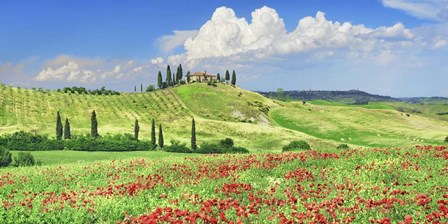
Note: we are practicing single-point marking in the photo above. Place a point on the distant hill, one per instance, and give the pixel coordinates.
(350, 96)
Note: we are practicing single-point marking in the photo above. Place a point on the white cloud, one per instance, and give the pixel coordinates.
(156, 61)
(426, 9)
(70, 72)
(87, 70)
(170, 42)
(227, 36)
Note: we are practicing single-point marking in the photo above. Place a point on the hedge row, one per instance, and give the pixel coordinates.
(25, 141)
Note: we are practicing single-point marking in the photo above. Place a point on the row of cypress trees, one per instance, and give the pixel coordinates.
(60, 130)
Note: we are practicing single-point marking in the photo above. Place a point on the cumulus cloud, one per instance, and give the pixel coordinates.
(170, 42)
(70, 72)
(89, 70)
(426, 9)
(226, 35)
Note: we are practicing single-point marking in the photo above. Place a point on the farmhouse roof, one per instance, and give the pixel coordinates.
(203, 74)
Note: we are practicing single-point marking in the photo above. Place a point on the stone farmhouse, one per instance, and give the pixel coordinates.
(202, 77)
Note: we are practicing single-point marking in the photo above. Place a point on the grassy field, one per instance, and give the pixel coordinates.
(357, 186)
(69, 157)
(361, 126)
(223, 111)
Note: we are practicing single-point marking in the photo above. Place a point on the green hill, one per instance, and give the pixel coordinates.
(223, 111)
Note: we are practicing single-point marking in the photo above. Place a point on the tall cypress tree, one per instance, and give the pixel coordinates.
(67, 131)
(94, 127)
(181, 72)
(135, 88)
(160, 136)
(218, 77)
(227, 76)
(136, 129)
(141, 87)
(159, 80)
(168, 75)
(58, 126)
(153, 133)
(233, 78)
(193, 135)
(173, 79)
(188, 77)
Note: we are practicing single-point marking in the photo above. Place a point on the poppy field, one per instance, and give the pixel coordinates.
(381, 185)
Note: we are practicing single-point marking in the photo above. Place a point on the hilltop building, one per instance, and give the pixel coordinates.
(202, 77)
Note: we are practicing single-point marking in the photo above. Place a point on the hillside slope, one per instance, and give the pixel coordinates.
(223, 111)
(29, 110)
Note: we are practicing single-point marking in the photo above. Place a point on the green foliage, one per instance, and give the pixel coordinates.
(159, 80)
(233, 82)
(94, 126)
(227, 143)
(25, 141)
(125, 142)
(5, 157)
(153, 132)
(136, 129)
(224, 146)
(446, 139)
(343, 146)
(168, 75)
(177, 147)
(160, 136)
(24, 159)
(82, 90)
(179, 73)
(218, 77)
(188, 77)
(295, 145)
(67, 131)
(59, 128)
(193, 135)
(227, 76)
(150, 88)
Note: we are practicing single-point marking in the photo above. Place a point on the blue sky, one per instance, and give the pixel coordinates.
(391, 47)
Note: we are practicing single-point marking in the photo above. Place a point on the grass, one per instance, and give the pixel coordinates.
(360, 126)
(359, 185)
(252, 120)
(69, 157)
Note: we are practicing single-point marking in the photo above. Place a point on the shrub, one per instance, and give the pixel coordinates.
(5, 157)
(294, 145)
(177, 147)
(237, 150)
(343, 146)
(24, 159)
(210, 148)
(227, 143)
(446, 139)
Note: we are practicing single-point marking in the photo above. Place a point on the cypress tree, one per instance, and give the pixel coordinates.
(153, 133)
(173, 79)
(159, 80)
(141, 87)
(193, 136)
(58, 126)
(168, 75)
(181, 72)
(218, 77)
(136, 129)
(188, 77)
(160, 136)
(135, 88)
(227, 76)
(233, 78)
(67, 131)
(94, 127)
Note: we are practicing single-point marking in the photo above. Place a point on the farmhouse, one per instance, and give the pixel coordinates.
(202, 77)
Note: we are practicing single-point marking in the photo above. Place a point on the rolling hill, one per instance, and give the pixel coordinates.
(251, 119)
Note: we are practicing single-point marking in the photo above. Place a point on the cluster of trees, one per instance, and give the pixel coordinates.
(82, 90)
(171, 78)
